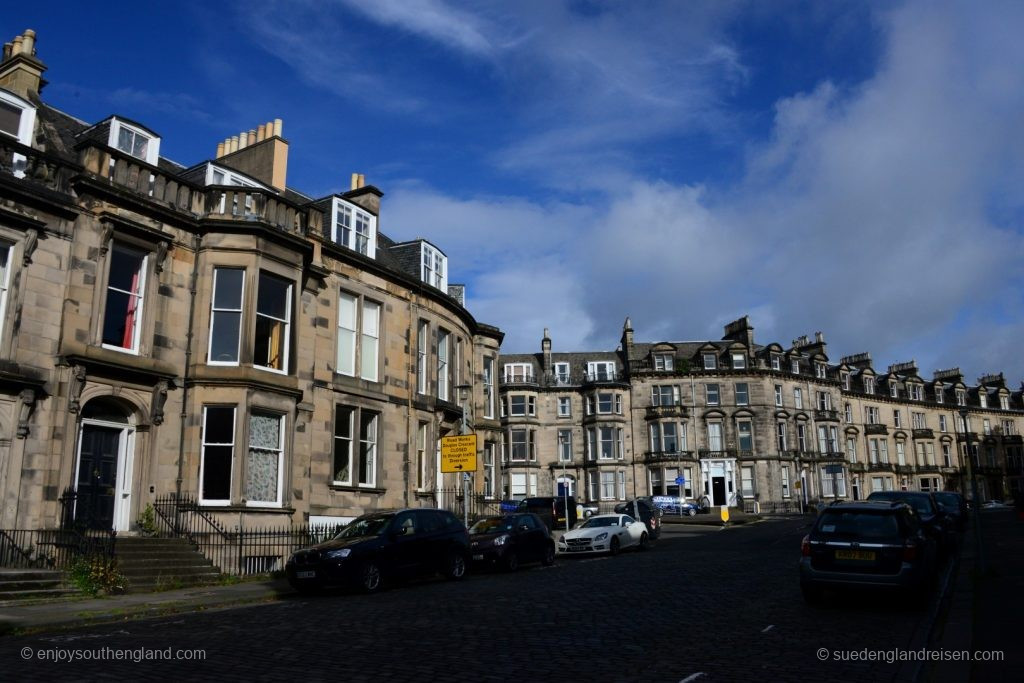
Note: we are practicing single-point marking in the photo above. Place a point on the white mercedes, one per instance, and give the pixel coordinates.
(604, 534)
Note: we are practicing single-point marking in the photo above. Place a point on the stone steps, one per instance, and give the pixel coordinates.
(162, 563)
(32, 584)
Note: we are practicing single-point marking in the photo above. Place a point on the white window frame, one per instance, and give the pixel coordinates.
(710, 361)
(26, 126)
(716, 393)
(287, 335)
(422, 354)
(739, 361)
(141, 296)
(742, 397)
(798, 398)
(6, 257)
(518, 372)
(564, 406)
(152, 145)
(356, 216)
(942, 423)
(280, 458)
(778, 395)
(433, 266)
(664, 362)
(488, 387)
(202, 461)
(443, 339)
(776, 361)
(355, 443)
(562, 373)
(564, 445)
(601, 371)
(214, 310)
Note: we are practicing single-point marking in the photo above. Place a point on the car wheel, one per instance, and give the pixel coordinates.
(644, 542)
(512, 562)
(455, 566)
(613, 547)
(691, 512)
(812, 594)
(370, 579)
(549, 555)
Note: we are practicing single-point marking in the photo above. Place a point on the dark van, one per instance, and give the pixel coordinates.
(551, 510)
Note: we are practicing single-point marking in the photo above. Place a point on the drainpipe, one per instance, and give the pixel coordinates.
(188, 364)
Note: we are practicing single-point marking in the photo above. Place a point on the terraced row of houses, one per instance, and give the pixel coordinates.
(742, 423)
(209, 331)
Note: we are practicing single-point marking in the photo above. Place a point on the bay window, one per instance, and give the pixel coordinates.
(226, 316)
(273, 323)
(264, 467)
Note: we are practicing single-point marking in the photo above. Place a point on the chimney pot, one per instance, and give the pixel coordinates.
(220, 150)
(261, 133)
(354, 184)
(252, 136)
(7, 51)
(234, 143)
(28, 46)
(277, 127)
(16, 48)
(362, 180)
(243, 140)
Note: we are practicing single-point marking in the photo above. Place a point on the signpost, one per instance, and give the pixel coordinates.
(458, 454)
(680, 482)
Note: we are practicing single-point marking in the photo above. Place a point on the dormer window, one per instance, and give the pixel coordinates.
(794, 367)
(134, 140)
(17, 117)
(434, 270)
(601, 371)
(739, 361)
(710, 361)
(17, 120)
(353, 228)
(893, 390)
(845, 377)
(983, 398)
(1004, 403)
(869, 385)
(915, 391)
(776, 362)
(663, 361)
(820, 370)
(961, 397)
(938, 394)
(562, 373)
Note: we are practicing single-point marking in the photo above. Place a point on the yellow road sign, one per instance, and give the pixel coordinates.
(725, 513)
(458, 453)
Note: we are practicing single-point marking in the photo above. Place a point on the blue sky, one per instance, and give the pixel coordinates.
(847, 167)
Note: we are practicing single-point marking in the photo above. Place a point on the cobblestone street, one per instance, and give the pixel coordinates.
(721, 603)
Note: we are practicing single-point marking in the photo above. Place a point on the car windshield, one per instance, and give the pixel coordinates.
(948, 501)
(600, 521)
(490, 525)
(921, 504)
(859, 524)
(366, 526)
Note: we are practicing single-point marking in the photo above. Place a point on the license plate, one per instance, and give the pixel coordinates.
(574, 549)
(865, 555)
(305, 575)
(478, 557)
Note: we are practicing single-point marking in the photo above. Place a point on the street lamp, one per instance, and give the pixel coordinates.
(971, 474)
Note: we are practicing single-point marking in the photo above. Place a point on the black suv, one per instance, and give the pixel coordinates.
(876, 544)
(511, 540)
(935, 521)
(551, 510)
(646, 511)
(383, 546)
(955, 507)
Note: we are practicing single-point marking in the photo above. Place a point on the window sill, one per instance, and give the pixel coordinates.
(245, 507)
(357, 489)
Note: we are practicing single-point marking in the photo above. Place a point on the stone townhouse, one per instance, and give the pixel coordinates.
(740, 423)
(209, 331)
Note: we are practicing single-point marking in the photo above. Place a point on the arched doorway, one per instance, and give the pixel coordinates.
(103, 474)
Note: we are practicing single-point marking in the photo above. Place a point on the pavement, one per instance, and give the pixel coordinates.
(984, 610)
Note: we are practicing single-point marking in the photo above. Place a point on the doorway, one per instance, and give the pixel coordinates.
(103, 474)
(718, 491)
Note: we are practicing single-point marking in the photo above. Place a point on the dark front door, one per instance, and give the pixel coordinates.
(718, 491)
(97, 477)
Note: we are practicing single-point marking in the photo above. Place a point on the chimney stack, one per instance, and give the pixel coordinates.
(21, 71)
(259, 152)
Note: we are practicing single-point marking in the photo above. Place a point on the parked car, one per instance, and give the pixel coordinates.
(675, 505)
(605, 534)
(873, 544)
(551, 509)
(383, 546)
(510, 540)
(934, 520)
(955, 507)
(646, 511)
(590, 509)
